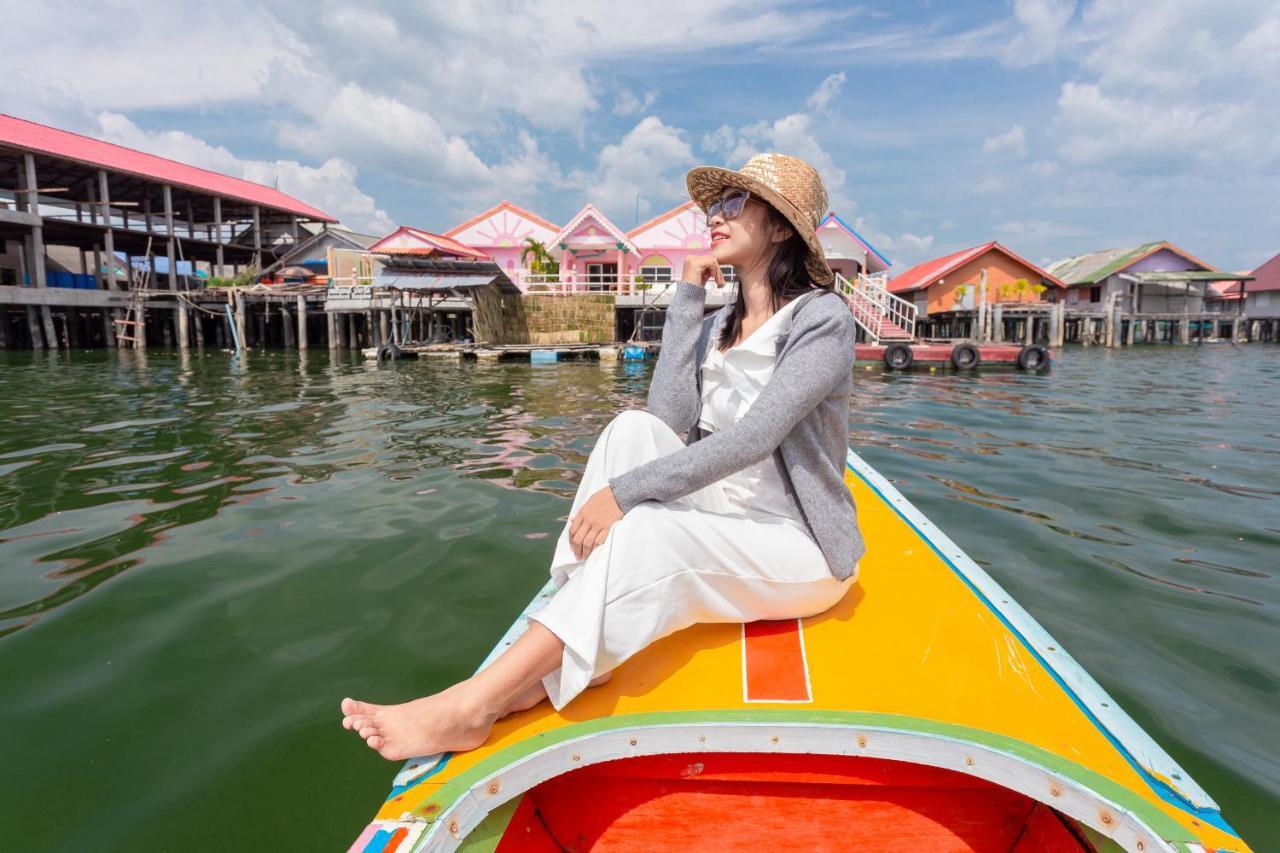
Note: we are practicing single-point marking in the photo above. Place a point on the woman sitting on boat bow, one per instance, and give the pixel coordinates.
(745, 518)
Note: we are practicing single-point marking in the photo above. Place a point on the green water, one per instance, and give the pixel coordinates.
(198, 560)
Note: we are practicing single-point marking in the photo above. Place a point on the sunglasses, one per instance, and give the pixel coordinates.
(728, 205)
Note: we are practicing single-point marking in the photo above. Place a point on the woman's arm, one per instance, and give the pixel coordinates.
(817, 358)
(673, 389)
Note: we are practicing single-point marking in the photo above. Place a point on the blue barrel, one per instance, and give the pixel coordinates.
(631, 352)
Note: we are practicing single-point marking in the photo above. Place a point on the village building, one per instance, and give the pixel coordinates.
(1153, 278)
(505, 232)
(848, 253)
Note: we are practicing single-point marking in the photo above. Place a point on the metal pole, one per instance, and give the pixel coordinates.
(37, 246)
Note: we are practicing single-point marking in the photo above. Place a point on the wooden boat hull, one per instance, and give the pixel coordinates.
(927, 710)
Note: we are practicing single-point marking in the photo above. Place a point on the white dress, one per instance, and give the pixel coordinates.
(736, 550)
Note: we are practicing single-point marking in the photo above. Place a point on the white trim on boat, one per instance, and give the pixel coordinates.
(1071, 798)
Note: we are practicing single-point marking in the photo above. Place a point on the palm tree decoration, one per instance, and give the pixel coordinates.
(535, 258)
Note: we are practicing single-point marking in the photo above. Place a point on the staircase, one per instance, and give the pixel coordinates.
(882, 316)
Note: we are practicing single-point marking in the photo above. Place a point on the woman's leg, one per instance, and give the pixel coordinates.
(459, 717)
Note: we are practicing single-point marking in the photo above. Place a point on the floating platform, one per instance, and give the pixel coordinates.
(925, 711)
(962, 355)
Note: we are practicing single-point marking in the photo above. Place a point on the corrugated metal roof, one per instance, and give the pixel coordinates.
(52, 142)
(431, 245)
(925, 274)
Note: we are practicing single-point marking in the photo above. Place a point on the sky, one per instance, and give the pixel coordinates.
(1053, 126)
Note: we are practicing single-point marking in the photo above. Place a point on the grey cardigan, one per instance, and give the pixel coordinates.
(801, 416)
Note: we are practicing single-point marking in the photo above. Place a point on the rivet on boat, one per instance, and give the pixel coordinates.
(1106, 818)
(862, 741)
(1141, 846)
(493, 787)
(577, 757)
(1056, 791)
(774, 739)
(702, 738)
(969, 760)
(633, 741)
(453, 827)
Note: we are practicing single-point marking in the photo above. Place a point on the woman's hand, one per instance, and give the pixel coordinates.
(698, 269)
(591, 525)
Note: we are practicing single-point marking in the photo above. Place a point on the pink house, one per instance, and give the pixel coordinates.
(500, 232)
(595, 254)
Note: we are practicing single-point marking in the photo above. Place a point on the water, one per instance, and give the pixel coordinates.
(198, 560)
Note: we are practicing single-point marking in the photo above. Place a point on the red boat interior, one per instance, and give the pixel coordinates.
(725, 802)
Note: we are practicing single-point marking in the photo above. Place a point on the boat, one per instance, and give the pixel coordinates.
(926, 711)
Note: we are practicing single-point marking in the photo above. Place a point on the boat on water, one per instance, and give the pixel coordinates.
(926, 712)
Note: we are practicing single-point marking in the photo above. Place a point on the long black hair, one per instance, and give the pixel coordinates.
(788, 276)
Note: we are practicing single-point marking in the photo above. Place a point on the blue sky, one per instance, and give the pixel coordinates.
(1055, 127)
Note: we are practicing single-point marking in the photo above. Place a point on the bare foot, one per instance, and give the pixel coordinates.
(448, 721)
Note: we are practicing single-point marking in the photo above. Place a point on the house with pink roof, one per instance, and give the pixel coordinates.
(1261, 295)
(501, 232)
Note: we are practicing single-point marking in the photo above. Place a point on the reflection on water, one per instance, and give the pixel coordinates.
(284, 531)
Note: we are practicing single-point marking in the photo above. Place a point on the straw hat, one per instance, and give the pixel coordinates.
(790, 184)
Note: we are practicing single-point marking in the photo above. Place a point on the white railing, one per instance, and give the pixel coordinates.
(567, 283)
(871, 304)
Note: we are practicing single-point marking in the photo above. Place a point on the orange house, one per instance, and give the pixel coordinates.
(954, 282)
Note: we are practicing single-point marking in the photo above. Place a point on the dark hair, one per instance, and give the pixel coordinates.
(788, 276)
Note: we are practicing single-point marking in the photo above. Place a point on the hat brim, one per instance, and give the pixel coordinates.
(706, 183)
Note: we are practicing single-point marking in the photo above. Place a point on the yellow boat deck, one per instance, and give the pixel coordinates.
(926, 660)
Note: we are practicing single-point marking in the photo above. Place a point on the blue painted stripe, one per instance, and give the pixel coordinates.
(378, 843)
(397, 790)
(1161, 789)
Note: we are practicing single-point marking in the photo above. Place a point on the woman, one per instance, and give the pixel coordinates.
(747, 518)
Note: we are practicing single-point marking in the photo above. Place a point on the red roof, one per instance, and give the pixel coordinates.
(432, 244)
(1265, 278)
(41, 139)
(924, 274)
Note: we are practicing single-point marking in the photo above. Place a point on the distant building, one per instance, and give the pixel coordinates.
(502, 232)
(953, 282)
(1153, 278)
(847, 252)
(1261, 295)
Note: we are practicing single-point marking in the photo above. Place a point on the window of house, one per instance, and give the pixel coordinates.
(1095, 293)
(655, 273)
(729, 276)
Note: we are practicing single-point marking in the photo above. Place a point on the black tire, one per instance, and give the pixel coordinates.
(1032, 357)
(898, 356)
(965, 357)
(388, 352)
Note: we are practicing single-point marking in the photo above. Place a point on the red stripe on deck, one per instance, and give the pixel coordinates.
(773, 664)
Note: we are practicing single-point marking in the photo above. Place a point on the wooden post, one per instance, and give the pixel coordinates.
(349, 335)
(286, 326)
(36, 261)
(981, 336)
(108, 233)
(1030, 331)
(217, 222)
(191, 220)
(257, 240)
(383, 336)
(108, 328)
(997, 323)
(242, 325)
(33, 326)
(331, 319)
(302, 316)
(1131, 331)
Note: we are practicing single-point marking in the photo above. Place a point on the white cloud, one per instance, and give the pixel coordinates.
(627, 103)
(826, 91)
(1014, 140)
(649, 161)
(793, 134)
(1044, 32)
(331, 186)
